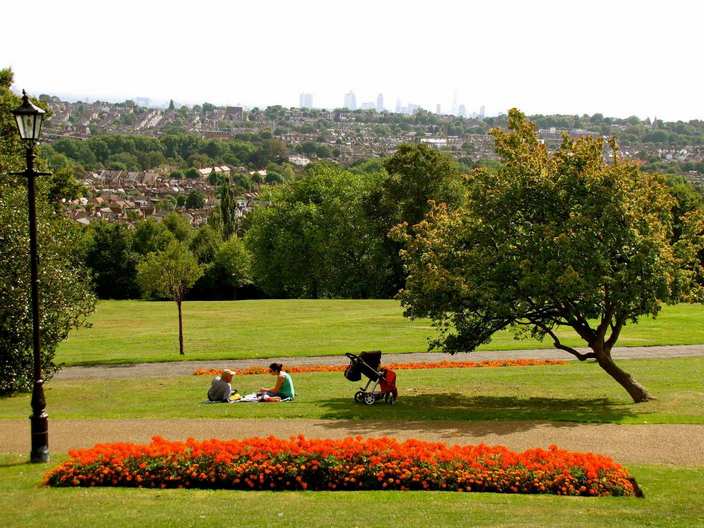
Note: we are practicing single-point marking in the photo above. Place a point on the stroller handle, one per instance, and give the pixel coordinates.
(351, 355)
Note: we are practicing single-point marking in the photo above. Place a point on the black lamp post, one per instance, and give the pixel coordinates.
(29, 123)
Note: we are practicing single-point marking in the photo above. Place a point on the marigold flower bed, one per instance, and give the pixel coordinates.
(349, 464)
(397, 366)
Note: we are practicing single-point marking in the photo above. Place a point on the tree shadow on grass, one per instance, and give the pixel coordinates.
(15, 464)
(507, 414)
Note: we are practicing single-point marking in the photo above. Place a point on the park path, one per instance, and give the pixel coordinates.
(681, 445)
(185, 368)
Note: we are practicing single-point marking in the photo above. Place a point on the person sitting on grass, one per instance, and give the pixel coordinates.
(221, 388)
(282, 390)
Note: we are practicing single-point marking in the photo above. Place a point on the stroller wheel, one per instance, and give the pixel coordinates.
(359, 396)
(369, 398)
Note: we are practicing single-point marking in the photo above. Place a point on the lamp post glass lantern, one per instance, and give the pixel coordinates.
(29, 124)
(29, 119)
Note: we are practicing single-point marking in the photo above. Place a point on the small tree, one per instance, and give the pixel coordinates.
(228, 208)
(205, 244)
(179, 226)
(232, 265)
(550, 241)
(195, 200)
(169, 274)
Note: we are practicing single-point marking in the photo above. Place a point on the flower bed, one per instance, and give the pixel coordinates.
(397, 366)
(349, 464)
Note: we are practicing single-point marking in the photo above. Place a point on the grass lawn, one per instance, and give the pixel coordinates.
(673, 499)
(140, 331)
(578, 392)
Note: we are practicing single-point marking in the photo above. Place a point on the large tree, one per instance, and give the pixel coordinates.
(314, 239)
(416, 174)
(65, 295)
(551, 241)
(150, 236)
(169, 274)
(229, 271)
(110, 257)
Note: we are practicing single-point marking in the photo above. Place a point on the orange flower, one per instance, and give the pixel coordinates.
(349, 463)
(494, 363)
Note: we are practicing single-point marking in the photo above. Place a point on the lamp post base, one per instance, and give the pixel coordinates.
(39, 422)
(40, 439)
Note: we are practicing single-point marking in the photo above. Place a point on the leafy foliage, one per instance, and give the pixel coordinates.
(314, 239)
(228, 206)
(111, 258)
(170, 273)
(188, 151)
(228, 271)
(150, 236)
(415, 176)
(195, 200)
(179, 226)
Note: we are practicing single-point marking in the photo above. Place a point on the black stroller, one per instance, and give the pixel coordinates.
(367, 364)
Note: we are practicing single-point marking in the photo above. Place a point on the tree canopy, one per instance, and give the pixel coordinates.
(414, 176)
(314, 240)
(550, 241)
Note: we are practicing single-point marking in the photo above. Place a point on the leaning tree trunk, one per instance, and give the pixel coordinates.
(634, 389)
(180, 328)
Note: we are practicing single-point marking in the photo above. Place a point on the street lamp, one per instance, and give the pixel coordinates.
(29, 123)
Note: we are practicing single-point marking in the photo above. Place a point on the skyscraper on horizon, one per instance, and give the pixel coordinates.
(438, 109)
(380, 102)
(305, 100)
(482, 111)
(350, 101)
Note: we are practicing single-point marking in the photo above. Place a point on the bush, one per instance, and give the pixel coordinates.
(65, 295)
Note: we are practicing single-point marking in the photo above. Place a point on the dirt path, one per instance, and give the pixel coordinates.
(642, 444)
(185, 368)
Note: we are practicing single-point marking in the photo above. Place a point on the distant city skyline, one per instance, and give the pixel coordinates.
(545, 57)
(305, 100)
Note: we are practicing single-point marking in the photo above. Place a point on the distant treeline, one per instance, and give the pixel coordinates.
(129, 152)
(628, 131)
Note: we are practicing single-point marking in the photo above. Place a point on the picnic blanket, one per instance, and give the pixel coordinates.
(254, 398)
(234, 398)
(247, 398)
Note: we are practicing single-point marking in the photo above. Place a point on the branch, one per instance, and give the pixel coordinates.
(606, 318)
(615, 332)
(556, 342)
(580, 324)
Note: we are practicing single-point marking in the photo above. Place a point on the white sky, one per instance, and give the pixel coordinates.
(618, 57)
